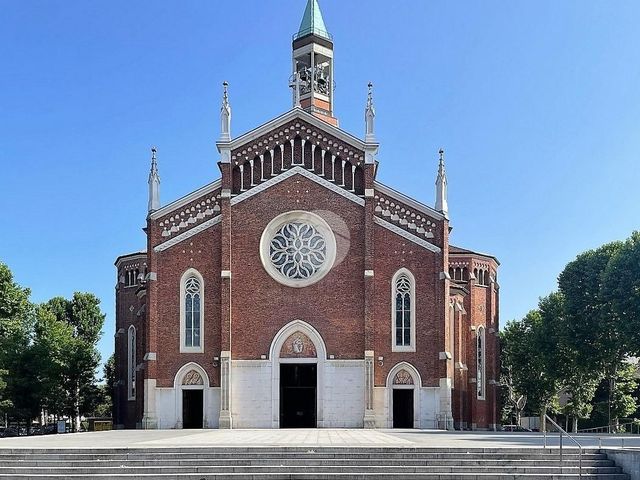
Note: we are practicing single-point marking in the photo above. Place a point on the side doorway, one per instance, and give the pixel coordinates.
(402, 408)
(192, 408)
(298, 395)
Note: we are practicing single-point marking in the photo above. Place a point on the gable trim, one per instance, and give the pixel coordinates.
(296, 112)
(186, 199)
(426, 209)
(188, 234)
(407, 235)
(297, 170)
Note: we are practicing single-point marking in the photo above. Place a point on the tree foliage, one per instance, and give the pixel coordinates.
(581, 335)
(47, 352)
(621, 290)
(527, 359)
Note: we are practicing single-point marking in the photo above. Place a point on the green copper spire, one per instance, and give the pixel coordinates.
(312, 21)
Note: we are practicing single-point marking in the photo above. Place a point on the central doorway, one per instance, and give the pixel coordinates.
(402, 408)
(298, 385)
(192, 408)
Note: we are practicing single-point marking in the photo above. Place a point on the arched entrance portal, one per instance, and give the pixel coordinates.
(403, 385)
(190, 383)
(297, 355)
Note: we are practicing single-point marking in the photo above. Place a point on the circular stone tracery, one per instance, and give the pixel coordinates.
(297, 248)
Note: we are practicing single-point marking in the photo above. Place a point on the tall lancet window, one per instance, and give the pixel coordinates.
(131, 363)
(191, 315)
(192, 312)
(403, 311)
(480, 363)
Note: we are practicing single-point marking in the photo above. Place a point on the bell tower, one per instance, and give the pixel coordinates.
(312, 78)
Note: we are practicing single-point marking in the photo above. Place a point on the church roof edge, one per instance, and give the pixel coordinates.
(408, 200)
(210, 187)
(453, 250)
(129, 256)
(290, 115)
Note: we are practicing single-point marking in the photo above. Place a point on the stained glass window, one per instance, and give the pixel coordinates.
(193, 321)
(403, 310)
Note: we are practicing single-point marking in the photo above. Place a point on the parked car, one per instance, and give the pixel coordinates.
(9, 432)
(36, 430)
(50, 429)
(515, 428)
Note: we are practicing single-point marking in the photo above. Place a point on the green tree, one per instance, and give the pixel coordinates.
(5, 403)
(621, 290)
(623, 403)
(52, 340)
(593, 330)
(616, 398)
(16, 319)
(530, 359)
(580, 387)
(592, 327)
(84, 319)
(110, 379)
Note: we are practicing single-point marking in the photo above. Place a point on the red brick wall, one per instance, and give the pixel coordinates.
(201, 252)
(261, 305)
(129, 311)
(392, 253)
(481, 305)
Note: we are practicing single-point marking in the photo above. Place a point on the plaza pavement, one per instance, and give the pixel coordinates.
(306, 437)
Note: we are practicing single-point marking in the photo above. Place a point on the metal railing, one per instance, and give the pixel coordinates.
(624, 428)
(561, 431)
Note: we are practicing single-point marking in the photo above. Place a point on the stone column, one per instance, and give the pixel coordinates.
(369, 414)
(150, 347)
(445, 419)
(225, 420)
(369, 287)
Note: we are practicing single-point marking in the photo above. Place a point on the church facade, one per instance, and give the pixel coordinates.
(299, 291)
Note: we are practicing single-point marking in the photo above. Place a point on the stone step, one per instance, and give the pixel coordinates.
(468, 462)
(132, 454)
(262, 469)
(275, 463)
(306, 475)
(285, 449)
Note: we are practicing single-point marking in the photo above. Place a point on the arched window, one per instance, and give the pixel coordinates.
(191, 312)
(131, 363)
(403, 311)
(480, 363)
(451, 274)
(465, 274)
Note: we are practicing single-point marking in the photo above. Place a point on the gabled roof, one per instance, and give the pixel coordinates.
(312, 21)
(292, 114)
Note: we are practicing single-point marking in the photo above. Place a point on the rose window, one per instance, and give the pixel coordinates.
(298, 250)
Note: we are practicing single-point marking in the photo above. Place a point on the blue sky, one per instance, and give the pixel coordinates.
(536, 103)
